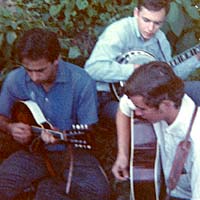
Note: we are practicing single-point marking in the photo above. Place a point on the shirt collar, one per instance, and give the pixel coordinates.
(62, 74)
(182, 121)
(138, 34)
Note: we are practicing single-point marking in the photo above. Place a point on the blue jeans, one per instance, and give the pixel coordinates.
(107, 107)
(23, 168)
(192, 88)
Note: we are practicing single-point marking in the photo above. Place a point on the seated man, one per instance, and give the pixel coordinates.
(156, 94)
(142, 35)
(66, 95)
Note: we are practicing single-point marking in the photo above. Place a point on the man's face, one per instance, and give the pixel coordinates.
(151, 114)
(149, 22)
(41, 71)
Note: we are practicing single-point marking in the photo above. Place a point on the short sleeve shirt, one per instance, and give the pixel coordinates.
(71, 100)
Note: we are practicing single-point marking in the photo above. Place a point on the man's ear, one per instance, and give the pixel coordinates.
(166, 105)
(55, 62)
(135, 12)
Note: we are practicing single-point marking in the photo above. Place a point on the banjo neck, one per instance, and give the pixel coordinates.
(141, 57)
(185, 55)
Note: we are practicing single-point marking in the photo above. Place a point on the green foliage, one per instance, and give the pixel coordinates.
(184, 24)
(78, 23)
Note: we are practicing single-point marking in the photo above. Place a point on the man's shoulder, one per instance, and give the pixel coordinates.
(161, 36)
(16, 74)
(125, 22)
(75, 70)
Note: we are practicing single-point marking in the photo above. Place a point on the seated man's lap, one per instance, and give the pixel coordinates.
(192, 89)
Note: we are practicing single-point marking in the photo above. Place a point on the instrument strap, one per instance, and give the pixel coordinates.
(37, 145)
(71, 168)
(132, 195)
(69, 155)
(180, 158)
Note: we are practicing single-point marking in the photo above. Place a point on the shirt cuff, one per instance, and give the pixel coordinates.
(126, 105)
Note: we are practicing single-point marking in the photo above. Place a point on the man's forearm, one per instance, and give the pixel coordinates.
(123, 133)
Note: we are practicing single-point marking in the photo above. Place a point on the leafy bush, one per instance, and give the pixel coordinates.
(79, 22)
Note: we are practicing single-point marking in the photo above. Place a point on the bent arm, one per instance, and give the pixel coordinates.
(113, 42)
(121, 166)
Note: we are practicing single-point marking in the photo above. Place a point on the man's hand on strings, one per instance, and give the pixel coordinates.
(20, 132)
(120, 168)
(48, 137)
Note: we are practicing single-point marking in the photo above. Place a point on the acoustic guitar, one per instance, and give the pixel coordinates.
(145, 170)
(30, 113)
(141, 57)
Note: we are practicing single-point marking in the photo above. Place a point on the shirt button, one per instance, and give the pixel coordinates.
(46, 99)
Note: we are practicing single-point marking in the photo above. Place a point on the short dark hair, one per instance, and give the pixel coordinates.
(154, 5)
(155, 81)
(38, 43)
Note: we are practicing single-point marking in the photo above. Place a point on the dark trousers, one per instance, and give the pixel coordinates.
(107, 107)
(23, 168)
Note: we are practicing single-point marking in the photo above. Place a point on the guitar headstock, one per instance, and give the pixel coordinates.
(80, 127)
(77, 129)
(82, 144)
(78, 137)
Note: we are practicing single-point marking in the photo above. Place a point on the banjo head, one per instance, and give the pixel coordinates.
(131, 57)
(135, 57)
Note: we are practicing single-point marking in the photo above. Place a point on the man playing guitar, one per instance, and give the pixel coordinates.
(66, 95)
(163, 103)
(139, 33)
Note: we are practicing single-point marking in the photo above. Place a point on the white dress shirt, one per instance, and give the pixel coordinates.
(168, 137)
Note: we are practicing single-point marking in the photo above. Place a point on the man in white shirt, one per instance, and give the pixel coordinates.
(156, 94)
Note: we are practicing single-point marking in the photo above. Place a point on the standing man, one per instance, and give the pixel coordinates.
(141, 32)
(163, 103)
(66, 95)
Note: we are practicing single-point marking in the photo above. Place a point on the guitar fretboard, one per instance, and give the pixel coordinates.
(77, 130)
(185, 55)
(78, 143)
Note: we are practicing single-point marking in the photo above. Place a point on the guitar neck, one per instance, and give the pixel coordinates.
(83, 144)
(185, 55)
(57, 134)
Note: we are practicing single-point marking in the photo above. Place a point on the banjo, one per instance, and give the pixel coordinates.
(142, 57)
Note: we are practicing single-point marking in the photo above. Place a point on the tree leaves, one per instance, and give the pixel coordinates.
(176, 16)
(55, 9)
(10, 37)
(74, 52)
(82, 4)
(191, 9)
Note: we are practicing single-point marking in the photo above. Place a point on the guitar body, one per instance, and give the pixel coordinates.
(145, 171)
(29, 113)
